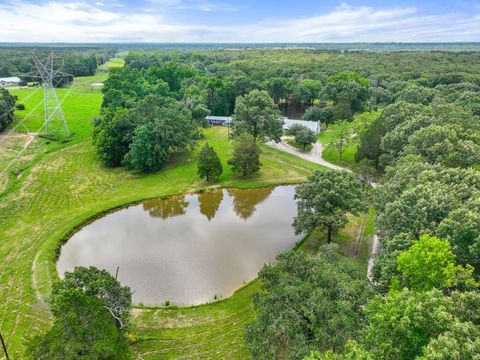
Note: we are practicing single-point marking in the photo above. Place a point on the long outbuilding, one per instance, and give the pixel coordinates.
(10, 81)
(287, 123)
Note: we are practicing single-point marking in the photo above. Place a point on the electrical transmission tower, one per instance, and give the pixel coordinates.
(55, 125)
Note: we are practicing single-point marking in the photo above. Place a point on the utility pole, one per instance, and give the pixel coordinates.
(55, 125)
(4, 347)
(228, 131)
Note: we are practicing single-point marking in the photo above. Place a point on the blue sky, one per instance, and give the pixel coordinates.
(238, 21)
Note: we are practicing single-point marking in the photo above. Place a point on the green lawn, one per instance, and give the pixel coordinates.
(293, 143)
(331, 154)
(55, 188)
(112, 63)
(81, 103)
(211, 331)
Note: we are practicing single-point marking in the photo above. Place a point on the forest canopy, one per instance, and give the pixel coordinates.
(82, 61)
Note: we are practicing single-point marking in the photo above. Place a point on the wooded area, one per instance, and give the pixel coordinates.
(75, 61)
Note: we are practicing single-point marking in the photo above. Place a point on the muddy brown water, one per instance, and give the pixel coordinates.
(188, 249)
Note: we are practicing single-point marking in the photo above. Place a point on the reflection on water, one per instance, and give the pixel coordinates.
(209, 202)
(244, 201)
(165, 208)
(187, 249)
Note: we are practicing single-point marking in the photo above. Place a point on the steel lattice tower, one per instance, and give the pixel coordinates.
(55, 125)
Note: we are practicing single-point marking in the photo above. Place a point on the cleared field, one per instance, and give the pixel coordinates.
(81, 103)
(212, 331)
(113, 63)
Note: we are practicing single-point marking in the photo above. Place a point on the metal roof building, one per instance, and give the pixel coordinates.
(287, 123)
(218, 120)
(9, 81)
(312, 125)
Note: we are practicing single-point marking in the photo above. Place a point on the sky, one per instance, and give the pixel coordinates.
(247, 21)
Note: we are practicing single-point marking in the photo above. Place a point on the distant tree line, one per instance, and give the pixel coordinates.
(297, 79)
(76, 61)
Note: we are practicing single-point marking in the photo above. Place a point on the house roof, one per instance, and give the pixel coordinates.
(312, 125)
(218, 118)
(287, 123)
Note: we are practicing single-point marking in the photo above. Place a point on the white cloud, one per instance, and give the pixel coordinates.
(104, 21)
(201, 5)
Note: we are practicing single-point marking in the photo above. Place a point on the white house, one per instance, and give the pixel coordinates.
(312, 125)
(287, 123)
(10, 81)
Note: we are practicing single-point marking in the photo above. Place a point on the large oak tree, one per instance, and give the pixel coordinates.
(326, 199)
(257, 115)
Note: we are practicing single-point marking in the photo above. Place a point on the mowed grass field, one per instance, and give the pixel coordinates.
(61, 186)
(80, 104)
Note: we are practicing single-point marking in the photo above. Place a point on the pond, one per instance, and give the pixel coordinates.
(188, 249)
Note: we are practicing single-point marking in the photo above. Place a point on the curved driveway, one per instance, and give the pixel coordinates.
(315, 156)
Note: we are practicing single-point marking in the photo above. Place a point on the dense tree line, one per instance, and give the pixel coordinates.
(296, 78)
(258, 87)
(75, 61)
(307, 302)
(137, 130)
(428, 143)
(431, 153)
(144, 137)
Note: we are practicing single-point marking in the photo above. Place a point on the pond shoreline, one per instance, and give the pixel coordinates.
(126, 205)
(173, 249)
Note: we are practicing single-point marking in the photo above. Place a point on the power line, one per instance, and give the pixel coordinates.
(21, 152)
(55, 123)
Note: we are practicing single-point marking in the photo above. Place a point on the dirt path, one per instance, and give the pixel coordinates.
(315, 156)
(373, 256)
